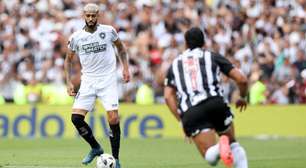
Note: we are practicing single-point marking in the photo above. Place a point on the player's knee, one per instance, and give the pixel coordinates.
(113, 118)
(77, 118)
(211, 160)
(211, 155)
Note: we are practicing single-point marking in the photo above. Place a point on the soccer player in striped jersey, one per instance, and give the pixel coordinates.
(194, 95)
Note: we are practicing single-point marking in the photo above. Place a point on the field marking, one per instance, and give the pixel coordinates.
(276, 158)
(27, 166)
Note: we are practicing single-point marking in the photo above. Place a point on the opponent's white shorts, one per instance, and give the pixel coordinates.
(107, 92)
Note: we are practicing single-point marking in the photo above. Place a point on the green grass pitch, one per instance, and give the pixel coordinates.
(146, 153)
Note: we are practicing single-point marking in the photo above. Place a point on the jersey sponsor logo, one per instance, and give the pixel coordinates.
(93, 47)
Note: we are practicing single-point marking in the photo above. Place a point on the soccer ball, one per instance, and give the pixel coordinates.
(106, 161)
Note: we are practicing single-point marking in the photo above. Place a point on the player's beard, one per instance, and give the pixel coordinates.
(91, 26)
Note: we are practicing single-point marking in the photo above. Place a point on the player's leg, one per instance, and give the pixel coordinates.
(109, 99)
(78, 120)
(197, 123)
(115, 133)
(221, 119)
(207, 146)
(84, 102)
(230, 150)
(240, 157)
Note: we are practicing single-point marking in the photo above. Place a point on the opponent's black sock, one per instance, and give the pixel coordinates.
(84, 130)
(114, 138)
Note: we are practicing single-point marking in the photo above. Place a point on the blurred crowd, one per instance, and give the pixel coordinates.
(265, 38)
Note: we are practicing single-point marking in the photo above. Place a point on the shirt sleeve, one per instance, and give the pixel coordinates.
(114, 34)
(225, 65)
(71, 44)
(169, 80)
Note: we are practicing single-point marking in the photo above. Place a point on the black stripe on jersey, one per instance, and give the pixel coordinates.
(182, 80)
(214, 67)
(204, 75)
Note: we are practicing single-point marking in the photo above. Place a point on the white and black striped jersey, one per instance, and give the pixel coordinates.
(195, 74)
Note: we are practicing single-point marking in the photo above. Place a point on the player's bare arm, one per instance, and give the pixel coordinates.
(171, 101)
(68, 65)
(242, 83)
(123, 57)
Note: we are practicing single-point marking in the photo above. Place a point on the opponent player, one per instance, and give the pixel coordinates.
(94, 47)
(194, 96)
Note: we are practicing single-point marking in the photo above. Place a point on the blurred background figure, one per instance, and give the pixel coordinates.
(262, 37)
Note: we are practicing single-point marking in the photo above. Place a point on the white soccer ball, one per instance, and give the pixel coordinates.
(106, 161)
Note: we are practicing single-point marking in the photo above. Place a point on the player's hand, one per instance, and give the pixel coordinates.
(71, 89)
(241, 104)
(126, 75)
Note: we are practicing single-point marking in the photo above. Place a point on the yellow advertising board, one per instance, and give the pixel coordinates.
(152, 121)
(54, 121)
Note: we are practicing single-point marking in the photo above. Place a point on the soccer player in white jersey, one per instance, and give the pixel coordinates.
(94, 47)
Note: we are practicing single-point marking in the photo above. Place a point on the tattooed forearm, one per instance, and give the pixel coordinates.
(68, 66)
(122, 52)
(123, 55)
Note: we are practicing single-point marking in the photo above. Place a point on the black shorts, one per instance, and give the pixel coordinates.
(212, 113)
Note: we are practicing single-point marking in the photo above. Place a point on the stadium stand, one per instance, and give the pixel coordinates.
(265, 38)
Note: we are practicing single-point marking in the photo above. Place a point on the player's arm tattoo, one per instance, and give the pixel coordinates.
(68, 65)
(123, 55)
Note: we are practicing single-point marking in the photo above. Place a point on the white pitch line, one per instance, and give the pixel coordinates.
(27, 166)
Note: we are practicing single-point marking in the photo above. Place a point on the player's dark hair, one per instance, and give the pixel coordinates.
(194, 38)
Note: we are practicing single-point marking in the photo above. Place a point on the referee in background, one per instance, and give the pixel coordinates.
(194, 96)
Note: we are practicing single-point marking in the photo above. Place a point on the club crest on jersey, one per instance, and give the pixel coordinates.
(102, 35)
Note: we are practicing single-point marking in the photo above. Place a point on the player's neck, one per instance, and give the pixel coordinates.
(91, 29)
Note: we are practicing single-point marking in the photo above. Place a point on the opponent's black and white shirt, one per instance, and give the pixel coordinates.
(195, 74)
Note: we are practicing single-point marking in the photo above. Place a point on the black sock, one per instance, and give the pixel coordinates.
(84, 130)
(115, 139)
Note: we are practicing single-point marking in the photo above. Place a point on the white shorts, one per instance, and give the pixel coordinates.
(92, 89)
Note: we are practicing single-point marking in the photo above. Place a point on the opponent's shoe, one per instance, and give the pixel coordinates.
(225, 151)
(118, 164)
(91, 155)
